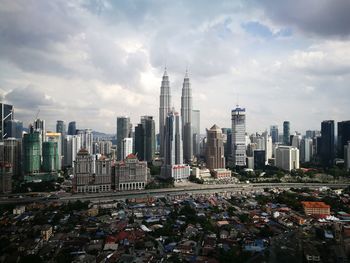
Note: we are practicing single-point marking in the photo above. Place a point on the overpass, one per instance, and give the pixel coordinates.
(176, 191)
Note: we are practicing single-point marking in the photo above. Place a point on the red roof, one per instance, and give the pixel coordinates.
(315, 205)
(131, 156)
(122, 235)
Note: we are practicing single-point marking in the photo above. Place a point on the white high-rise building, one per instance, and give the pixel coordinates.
(164, 109)
(306, 150)
(296, 140)
(196, 131)
(238, 137)
(71, 146)
(126, 147)
(287, 158)
(173, 140)
(267, 146)
(105, 147)
(173, 153)
(186, 118)
(86, 138)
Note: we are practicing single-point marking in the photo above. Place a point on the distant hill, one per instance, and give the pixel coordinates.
(101, 134)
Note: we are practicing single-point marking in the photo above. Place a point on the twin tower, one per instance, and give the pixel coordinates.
(185, 127)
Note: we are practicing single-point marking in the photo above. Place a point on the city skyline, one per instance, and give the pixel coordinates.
(109, 58)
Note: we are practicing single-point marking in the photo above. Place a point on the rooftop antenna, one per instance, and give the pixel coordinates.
(237, 100)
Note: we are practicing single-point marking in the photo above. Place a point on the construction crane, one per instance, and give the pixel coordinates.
(37, 114)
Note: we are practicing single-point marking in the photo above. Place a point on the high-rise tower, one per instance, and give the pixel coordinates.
(274, 133)
(173, 158)
(173, 148)
(343, 137)
(286, 132)
(164, 109)
(145, 139)
(123, 131)
(61, 127)
(72, 128)
(186, 117)
(327, 143)
(196, 132)
(215, 149)
(238, 137)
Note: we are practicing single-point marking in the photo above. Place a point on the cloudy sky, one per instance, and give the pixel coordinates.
(91, 61)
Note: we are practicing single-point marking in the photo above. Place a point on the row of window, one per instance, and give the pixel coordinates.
(94, 188)
(131, 186)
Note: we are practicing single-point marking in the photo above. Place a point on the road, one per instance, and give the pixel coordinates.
(194, 189)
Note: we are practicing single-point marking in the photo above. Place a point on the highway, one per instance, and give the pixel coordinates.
(194, 189)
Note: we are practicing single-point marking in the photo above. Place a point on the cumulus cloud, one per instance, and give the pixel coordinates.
(316, 17)
(94, 60)
(29, 96)
(329, 58)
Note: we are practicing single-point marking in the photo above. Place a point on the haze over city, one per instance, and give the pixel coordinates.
(92, 61)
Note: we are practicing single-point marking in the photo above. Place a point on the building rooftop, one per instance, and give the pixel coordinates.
(215, 127)
(315, 205)
(83, 151)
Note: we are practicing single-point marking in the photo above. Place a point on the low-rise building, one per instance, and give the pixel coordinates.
(177, 171)
(18, 210)
(131, 174)
(46, 232)
(221, 173)
(91, 176)
(316, 208)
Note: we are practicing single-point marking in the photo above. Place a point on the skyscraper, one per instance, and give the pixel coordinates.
(196, 131)
(238, 137)
(86, 137)
(13, 129)
(186, 118)
(347, 156)
(39, 125)
(267, 146)
(173, 151)
(287, 158)
(286, 132)
(164, 109)
(51, 158)
(343, 137)
(173, 140)
(306, 150)
(6, 114)
(145, 139)
(32, 152)
(126, 147)
(71, 146)
(10, 164)
(274, 133)
(61, 127)
(327, 143)
(57, 138)
(228, 143)
(123, 131)
(72, 128)
(214, 156)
